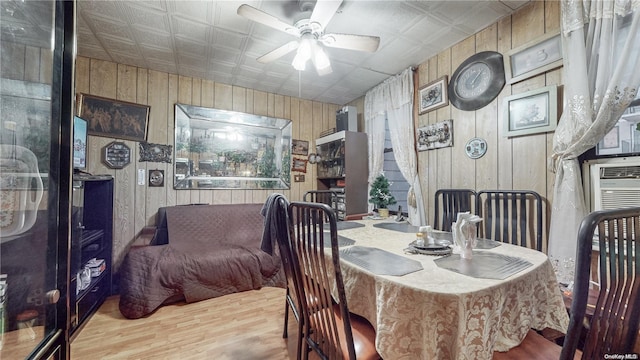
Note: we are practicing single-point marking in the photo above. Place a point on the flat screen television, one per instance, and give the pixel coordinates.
(79, 143)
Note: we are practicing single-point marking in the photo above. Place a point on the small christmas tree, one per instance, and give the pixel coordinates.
(379, 194)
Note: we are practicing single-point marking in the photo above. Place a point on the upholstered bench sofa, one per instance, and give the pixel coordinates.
(198, 252)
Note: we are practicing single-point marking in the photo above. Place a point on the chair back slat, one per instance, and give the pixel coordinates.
(448, 203)
(614, 326)
(511, 216)
(319, 275)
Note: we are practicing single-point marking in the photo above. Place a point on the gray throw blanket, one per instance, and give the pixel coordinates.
(270, 232)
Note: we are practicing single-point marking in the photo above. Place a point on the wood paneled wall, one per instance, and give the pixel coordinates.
(518, 163)
(135, 206)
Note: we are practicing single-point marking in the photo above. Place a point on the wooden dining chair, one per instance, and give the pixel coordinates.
(328, 197)
(329, 328)
(614, 326)
(511, 216)
(448, 203)
(292, 300)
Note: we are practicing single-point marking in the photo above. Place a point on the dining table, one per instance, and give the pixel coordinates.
(445, 306)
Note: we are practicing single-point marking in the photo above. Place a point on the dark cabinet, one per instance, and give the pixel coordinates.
(91, 247)
(343, 168)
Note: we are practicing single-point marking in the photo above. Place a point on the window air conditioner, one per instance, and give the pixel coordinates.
(615, 185)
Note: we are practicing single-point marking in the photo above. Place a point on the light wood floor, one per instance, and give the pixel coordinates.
(243, 326)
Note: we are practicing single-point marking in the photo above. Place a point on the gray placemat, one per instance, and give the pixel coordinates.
(380, 262)
(484, 265)
(344, 225)
(402, 227)
(342, 241)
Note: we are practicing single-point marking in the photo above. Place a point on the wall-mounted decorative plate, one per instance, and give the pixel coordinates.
(116, 155)
(156, 178)
(476, 148)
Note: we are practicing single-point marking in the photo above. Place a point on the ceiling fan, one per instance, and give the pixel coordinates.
(311, 36)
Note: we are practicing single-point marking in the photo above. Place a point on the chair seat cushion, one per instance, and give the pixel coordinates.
(364, 335)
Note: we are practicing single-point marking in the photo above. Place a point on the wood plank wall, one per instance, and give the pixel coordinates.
(135, 206)
(518, 163)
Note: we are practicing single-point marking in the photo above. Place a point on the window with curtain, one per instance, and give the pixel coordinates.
(399, 186)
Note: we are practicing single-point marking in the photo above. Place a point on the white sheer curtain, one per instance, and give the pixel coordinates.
(394, 98)
(600, 40)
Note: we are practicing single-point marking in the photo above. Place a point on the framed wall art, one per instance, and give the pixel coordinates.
(155, 152)
(531, 112)
(435, 136)
(299, 165)
(433, 95)
(114, 118)
(533, 58)
(299, 147)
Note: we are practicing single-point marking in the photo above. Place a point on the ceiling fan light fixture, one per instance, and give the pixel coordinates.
(320, 58)
(303, 55)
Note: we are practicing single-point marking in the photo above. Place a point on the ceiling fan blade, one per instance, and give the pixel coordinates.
(279, 52)
(263, 18)
(351, 42)
(324, 11)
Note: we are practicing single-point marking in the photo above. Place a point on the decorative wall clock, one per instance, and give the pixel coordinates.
(477, 81)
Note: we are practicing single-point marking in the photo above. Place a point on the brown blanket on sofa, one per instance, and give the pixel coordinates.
(213, 250)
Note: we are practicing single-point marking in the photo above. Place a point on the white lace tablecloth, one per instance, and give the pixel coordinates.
(436, 313)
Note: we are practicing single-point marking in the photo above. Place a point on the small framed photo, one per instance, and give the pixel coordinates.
(435, 136)
(114, 118)
(299, 147)
(299, 165)
(538, 56)
(433, 95)
(531, 112)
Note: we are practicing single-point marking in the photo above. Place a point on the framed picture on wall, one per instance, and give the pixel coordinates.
(114, 118)
(433, 95)
(531, 112)
(299, 165)
(533, 58)
(299, 147)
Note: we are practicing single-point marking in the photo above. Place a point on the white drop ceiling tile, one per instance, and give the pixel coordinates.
(188, 60)
(514, 4)
(108, 26)
(148, 17)
(229, 39)
(447, 37)
(189, 28)
(226, 16)
(153, 38)
(119, 44)
(159, 54)
(200, 11)
(423, 30)
(225, 55)
(194, 48)
(220, 67)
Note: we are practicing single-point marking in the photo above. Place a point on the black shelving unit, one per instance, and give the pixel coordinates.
(344, 169)
(91, 237)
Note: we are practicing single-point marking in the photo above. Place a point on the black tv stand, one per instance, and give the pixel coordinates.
(91, 237)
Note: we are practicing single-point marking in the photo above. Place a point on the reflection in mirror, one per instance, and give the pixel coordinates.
(219, 149)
